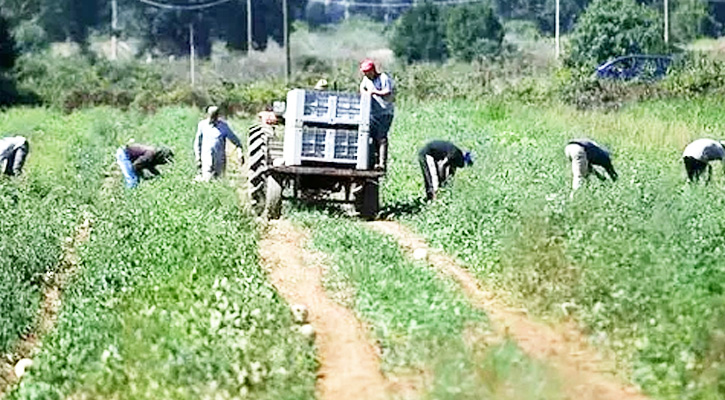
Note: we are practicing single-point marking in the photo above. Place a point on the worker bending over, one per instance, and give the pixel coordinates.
(438, 160)
(584, 154)
(380, 87)
(13, 151)
(209, 144)
(140, 161)
(697, 157)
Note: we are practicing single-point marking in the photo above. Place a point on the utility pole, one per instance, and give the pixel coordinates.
(114, 29)
(285, 15)
(192, 52)
(667, 24)
(249, 26)
(558, 45)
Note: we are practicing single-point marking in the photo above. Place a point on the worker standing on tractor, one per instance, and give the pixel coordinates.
(209, 145)
(584, 154)
(136, 160)
(380, 86)
(13, 151)
(697, 157)
(438, 160)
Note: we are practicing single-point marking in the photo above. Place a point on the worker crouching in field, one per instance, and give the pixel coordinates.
(137, 160)
(438, 160)
(209, 145)
(584, 154)
(381, 89)
(697, 157)
(13, 151)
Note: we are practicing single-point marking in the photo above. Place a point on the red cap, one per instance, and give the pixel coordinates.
(367, 65)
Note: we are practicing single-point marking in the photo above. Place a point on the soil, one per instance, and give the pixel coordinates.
(349, 364)
(55, 282)
(585, 373)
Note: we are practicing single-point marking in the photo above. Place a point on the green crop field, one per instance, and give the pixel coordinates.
(639, 261)
(171, 301)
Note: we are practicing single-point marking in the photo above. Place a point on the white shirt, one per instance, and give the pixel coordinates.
(9, 145)
(210, 138)
(383, 104)
(705, 150)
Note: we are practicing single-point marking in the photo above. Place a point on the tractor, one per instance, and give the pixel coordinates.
(320, 154)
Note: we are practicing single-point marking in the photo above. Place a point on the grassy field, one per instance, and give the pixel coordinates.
(43, 207)
(171, 302)
(422, 323)
(639, 262)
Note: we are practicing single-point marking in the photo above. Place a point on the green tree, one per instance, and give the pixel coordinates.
(419, 34)
(689, 20)
(612, 28)
(7, 46)
(473, 31)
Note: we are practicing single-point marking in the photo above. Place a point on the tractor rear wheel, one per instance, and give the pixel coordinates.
(367, 201)
(259, 161)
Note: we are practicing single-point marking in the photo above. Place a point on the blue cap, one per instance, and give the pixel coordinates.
(468, 158)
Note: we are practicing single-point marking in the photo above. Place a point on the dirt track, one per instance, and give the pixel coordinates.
(27, 347)
(349, 365)
(585, 373)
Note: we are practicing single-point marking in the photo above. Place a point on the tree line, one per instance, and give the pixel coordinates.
(35, 23)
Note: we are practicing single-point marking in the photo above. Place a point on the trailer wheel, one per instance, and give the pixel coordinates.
(257, 146)
(273, 198)
(367, 200)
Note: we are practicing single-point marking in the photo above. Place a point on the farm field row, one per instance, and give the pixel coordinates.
(637, 263)
(171, 302)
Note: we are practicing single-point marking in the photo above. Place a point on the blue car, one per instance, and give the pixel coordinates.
(638, 66)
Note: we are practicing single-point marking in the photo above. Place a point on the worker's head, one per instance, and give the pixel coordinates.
(367, 68)
(212, 112)
(165, 154)
(467, 158)
(321, 84)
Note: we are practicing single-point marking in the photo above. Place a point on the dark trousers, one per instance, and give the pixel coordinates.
(435, 174)
(16, 160)
(695, 168)
(379, 127)
(379, 153)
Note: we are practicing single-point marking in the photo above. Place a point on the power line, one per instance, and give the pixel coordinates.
(396, 5)
(184, 7)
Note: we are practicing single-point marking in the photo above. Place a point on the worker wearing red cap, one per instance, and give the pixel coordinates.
(380, 87)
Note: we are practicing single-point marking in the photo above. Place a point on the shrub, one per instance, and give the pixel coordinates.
(419, 34)
(473, 31)
(611, 28)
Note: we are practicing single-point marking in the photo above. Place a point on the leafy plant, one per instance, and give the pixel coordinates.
(420, 34)
(611, 28)
(473, 32)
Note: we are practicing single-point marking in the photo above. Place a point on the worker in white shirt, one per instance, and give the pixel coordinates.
(697, 157)
(13, 151)
(209, 145)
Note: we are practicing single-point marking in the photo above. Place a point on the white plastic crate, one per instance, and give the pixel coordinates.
(328, 144)
(329, 127)
(334, 108)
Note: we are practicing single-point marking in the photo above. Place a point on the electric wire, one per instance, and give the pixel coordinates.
(184, 7)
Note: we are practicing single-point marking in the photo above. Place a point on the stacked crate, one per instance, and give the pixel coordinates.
(327, 128)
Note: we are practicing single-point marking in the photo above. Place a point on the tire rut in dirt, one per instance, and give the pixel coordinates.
(585, 373)
(50, 307)
(349, 365)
